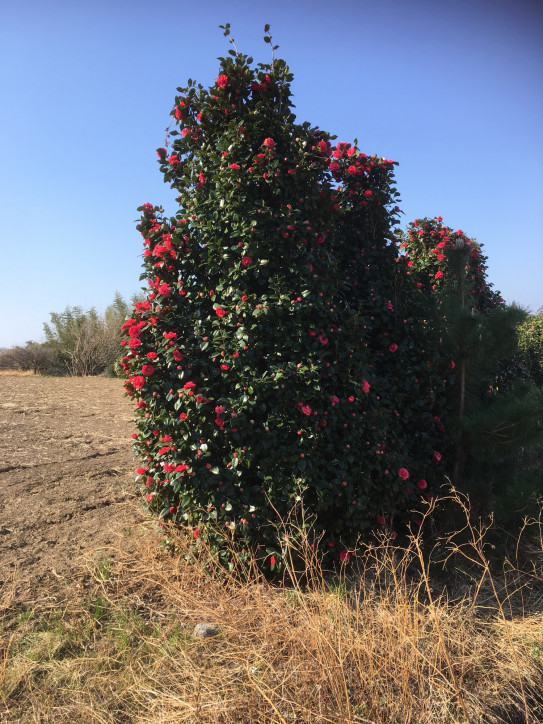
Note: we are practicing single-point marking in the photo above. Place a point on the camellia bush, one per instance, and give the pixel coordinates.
(281, 356)
(448, 261)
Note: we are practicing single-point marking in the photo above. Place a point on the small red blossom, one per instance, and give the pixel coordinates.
(269, 143)
(246, 260)
(403, 473)
(436, 456)
(183, 416)
(422, 484)
(147, 370)
(438, 274)
(344, 556)
(222, 80)
(365, 386)
(220, 312)
(393, 347)
(272, 560)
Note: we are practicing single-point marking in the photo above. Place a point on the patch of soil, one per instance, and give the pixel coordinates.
(66, 476)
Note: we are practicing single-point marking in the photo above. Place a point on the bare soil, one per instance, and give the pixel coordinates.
(66, 477)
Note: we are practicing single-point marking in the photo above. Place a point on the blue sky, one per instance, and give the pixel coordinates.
(452, 90)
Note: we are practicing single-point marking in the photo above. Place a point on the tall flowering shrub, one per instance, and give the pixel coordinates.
(280, 354)
(446, 261)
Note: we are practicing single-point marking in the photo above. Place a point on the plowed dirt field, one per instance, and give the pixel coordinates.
(66, 476)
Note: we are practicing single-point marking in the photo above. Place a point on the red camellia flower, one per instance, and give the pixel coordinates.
(334, 167)
(438, 274)
(222, 80)
(134, 342)
(393, 347)
(152, 355)
(422, 484)
(183, 416)
(272, 560)
(220, 312)
(234, 166)
(137, 381)
(380, 519)
(365, 386)
(436, 456)
(269, 143)
(164, 290)
(224, 366)
(368, 193)
(351, 170)
(147, 370)
(403, 473)
(246, 260)
(344, 556)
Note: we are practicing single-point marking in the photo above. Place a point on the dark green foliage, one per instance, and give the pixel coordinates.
(495, 411)
(282, 354)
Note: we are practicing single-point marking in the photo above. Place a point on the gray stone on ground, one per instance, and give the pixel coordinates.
(204, 630)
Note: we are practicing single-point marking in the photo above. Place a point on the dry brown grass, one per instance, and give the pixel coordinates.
(17, 373)
(389, 644)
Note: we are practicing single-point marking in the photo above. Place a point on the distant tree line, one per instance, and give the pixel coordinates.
(77, 342)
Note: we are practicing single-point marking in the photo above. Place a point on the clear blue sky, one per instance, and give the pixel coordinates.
(452, 90)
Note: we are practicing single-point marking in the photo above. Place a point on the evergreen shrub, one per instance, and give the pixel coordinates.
(282, 355)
